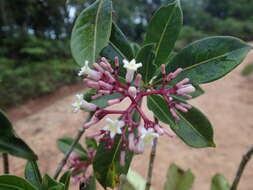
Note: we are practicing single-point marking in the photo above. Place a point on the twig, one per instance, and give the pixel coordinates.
(6, 163)
(245, 160)
(76, 140)
(151, 163)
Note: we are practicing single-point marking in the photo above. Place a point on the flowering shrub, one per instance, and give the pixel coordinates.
(114, 70)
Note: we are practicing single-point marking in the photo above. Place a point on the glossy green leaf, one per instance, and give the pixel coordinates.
(177, 179)
(11, 143)
(219, 182)
(65, 179)
(11, 182)
(91, 31)
(32, 174)
(209, 59)
(65, 143)
(91, 143)
(164, 29)
(193, 127)
(49, 183)
(146, 57)
(106, 164)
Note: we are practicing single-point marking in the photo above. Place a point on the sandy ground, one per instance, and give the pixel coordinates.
(228, 103)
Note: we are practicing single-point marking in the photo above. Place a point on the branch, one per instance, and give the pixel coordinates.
(73, 145)
(245, 160)
(6, 163)
(151, 163)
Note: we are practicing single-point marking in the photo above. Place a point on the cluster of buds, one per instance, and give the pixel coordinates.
(81, 170)
(105, 80)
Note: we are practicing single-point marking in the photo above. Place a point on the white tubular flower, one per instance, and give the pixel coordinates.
(148, 135)
(114, 127)
(132, 91)
(81, 103)
(131, 67)
(88, 71)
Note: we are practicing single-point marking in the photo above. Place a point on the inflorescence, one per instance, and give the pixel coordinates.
(105, 80)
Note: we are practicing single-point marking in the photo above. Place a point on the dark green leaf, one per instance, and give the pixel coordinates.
(193, 127)
(50, 184)
(65, 179)
(136, 48)
(91, 143)
(106, 164)
(32, 174)
(164, 29)
(219, 182)
(11, 143)
(65, 143)
(146, 57)
(88, 94)
(209, 59)
(120, 43)
(91, 31)
(178, 179)
(11, 182)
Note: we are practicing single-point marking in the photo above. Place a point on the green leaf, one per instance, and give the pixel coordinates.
(90, 185)
(91, 31)
(65, 179)
(11, 182)
(193, 127)
(50, 184)
(209, 59)
(177, 178)
(219, 182)
(106, 164)
(11, 143)
(146, 57)
(32, 174)
(102, 102)
(65, 143)
(164, 29)
(135, 47)
(120, 43)
(91, 143)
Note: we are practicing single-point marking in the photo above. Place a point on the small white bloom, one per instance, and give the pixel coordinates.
(132, 65)
(114, 126)
(148, 135)
(85, 69)
(81, 103)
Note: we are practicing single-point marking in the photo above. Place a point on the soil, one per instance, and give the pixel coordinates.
(228, 103)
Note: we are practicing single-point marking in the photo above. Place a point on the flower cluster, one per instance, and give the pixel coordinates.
(105, 80)
(81, 169)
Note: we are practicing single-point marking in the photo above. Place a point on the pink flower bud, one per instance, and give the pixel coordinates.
(105, 85)
(116, 61)
(129, 76)
(169, 132)
(98, 68)
(180, 107)
(106, 64)
(122, 158)
(174, 114)
(88, 106)
(131, 141)
(93, 135)
(109, 76)
(90, 123)
(92, 84)
(182, 82)
(163, 69)
(114, 101)
(94, 75)
(96, 96)
(132, 91)
(104, 91)
(186, 89)
(159, 130)
(137, 82)
(139, 148)
(188, 106)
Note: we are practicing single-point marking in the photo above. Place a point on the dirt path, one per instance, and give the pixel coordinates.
(228, 103)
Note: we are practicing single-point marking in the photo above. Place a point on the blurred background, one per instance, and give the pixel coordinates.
(35, 56)
(36, 64)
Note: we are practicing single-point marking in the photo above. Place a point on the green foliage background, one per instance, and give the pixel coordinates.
(35, 54)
